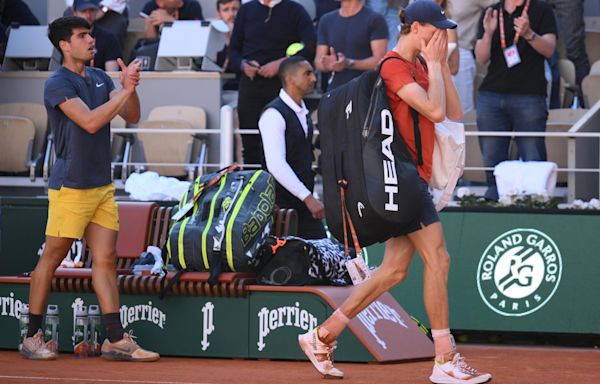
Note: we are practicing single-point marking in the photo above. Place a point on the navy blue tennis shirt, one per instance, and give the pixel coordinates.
(82, 159)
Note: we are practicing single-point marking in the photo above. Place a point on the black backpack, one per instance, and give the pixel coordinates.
(221, 222)
(291, 260)
(370, 182)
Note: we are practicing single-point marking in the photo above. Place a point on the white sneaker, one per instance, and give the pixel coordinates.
(457, 371)
(312, 346)
(34, 348)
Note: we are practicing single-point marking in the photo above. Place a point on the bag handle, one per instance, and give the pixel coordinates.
(347, 222)
(220, 173)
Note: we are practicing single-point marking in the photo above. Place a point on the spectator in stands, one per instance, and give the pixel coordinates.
(112, 16)
(287, 135)
(15, 11)
(162, 11)
(227, 11)
(108, 49)
(263, 31)
(572, 29)
(81, 101)
(389, 9)
(430, 91)
(350, 40)
(467, 15)
(515, 37)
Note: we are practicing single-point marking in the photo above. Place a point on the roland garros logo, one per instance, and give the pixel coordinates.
(519, 272)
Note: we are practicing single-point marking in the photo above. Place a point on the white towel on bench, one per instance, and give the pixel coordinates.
(518, 178)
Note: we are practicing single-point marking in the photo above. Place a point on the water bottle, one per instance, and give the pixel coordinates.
(23, 324)
(95, 320)
(80, 336)
(51, 328)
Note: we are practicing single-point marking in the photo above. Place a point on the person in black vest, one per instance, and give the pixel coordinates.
(262, 33)
(287, 134)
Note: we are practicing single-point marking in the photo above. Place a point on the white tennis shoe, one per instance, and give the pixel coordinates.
(457, 371)
(320, 354)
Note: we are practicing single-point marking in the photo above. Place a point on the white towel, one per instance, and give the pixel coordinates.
(149, 186)
(518, 178)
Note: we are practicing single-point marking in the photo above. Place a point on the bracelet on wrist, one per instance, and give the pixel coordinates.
(532, 36)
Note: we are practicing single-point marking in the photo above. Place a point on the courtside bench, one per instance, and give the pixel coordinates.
(233, 318)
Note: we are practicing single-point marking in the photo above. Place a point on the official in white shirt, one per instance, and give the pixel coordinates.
(287, 136)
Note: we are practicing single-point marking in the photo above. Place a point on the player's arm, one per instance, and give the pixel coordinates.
(130, 112)
(92, 120)
(124, 102)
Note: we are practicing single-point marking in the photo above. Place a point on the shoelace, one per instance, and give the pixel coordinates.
(38, 340)
(464, 366)
(132, 337)
(329, 348)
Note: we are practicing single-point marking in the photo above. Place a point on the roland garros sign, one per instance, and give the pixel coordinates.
(519, 272)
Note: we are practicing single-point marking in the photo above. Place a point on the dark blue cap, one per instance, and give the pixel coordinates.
(427, 11)
(82, 5)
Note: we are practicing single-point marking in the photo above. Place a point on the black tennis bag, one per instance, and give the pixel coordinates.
(221, 222)
(365, 162)
(292, 260)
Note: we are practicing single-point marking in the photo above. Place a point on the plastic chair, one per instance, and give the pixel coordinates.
(17, 136)
(591, 89)
(196, 117)
(37, 114)
(167, 148)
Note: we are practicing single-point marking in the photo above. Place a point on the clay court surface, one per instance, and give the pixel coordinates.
(514, 365)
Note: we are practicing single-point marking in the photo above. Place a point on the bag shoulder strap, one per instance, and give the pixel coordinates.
(413, 113)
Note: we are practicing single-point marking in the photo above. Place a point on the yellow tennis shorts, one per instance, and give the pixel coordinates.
(71, 210)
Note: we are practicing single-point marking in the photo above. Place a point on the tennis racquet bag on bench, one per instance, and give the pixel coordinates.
(370, 180)
(221, 222)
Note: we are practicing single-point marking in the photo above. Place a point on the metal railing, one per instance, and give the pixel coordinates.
(583, 151)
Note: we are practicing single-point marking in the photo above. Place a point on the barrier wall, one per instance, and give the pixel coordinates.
(516, 271)
(265, 324)
(529, 271)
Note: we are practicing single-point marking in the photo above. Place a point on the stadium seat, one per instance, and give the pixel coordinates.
(167, 148)
(196, 116)
(592, 42)
(16, 142)
(595, 69)
(591, 89)
(569, 84)
(38, 116)
(561, 120)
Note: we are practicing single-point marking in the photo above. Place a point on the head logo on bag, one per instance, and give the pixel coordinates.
(364, 160)
(389, 165)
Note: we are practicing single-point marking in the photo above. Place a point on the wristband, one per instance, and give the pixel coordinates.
(533, 35)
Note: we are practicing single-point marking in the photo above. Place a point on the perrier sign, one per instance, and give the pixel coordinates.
(519, 272)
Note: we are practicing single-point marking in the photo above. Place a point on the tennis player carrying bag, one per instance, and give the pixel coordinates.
(221, 222)
(370, 181)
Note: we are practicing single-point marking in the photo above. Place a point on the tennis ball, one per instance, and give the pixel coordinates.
(294, 48)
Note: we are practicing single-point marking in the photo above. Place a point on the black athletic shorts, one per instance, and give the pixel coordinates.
(428, 214)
